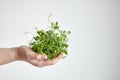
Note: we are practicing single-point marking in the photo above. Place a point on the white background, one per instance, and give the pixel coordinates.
(94, 51)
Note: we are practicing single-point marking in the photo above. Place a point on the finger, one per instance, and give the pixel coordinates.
(44, 56)
(33, 62)
(39, 57)
(53, 61)
(39, 63)
(56, 59)
(45, 62)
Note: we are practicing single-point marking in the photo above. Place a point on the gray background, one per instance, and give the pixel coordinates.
(94, 52)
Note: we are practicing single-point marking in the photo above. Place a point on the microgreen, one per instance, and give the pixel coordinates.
(50, 42)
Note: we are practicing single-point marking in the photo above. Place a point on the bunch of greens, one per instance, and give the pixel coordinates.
(50, 42)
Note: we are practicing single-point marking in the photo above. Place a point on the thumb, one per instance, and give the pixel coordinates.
(35, 55)
(31, 53)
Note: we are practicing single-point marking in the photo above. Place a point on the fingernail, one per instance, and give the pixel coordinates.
(44, 56)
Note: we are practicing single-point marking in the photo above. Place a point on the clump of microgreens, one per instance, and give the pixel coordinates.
(50, 42)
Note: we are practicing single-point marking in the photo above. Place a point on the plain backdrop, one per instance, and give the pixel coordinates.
(94, 45)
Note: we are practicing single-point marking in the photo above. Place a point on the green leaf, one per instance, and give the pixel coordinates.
(50, 42)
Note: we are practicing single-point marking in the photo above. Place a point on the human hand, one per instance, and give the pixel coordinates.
(27, 54)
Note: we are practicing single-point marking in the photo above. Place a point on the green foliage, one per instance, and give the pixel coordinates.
(50, 42)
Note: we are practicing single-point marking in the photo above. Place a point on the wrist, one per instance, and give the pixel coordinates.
(20, 53)
(15, 53)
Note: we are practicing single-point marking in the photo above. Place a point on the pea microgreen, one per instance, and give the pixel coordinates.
(50, 42)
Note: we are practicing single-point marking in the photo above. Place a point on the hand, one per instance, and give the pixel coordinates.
(27, 54)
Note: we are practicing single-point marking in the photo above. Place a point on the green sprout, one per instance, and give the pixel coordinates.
(50, 42)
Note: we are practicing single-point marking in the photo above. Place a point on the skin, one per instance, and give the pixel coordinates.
(25, 53)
